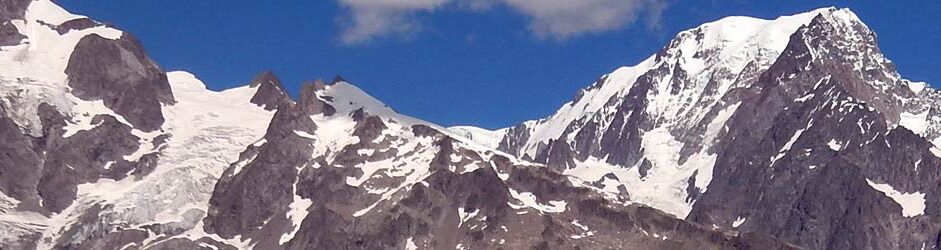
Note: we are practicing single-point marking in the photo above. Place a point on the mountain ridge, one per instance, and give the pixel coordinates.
(720, 141)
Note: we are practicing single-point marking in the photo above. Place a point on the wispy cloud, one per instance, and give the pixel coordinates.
(365, 20)
(562, 19)
(369, 19)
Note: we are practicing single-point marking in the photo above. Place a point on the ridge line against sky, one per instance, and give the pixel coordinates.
(487, 63)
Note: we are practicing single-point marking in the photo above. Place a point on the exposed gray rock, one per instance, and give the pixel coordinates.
(794, 165)
(814, 192)
(13, 9)
(184, 243)
(9, 35)
(270, 93)
(20, 163)
(76, 24)
(10, 10)
(243, 201)
(120, 73)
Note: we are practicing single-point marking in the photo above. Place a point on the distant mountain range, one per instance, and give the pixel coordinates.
(741, 133)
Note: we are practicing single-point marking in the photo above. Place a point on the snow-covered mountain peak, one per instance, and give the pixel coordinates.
(687, 77)
(733, 135)
(655, 124)
(735, 40)
(346, 98)
(48, 12)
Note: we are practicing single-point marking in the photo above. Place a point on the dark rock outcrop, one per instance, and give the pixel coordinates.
(20, 163)
(244, 200)
(76, 24)
(801, 170)
(270, 93)
(9, 35)
(13, 9)
(10, 10)
(120, 73)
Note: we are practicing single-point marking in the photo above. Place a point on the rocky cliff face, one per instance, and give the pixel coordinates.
(739, 134)
(817, 141)
(341, 170)
(816, 155)
(101, 147)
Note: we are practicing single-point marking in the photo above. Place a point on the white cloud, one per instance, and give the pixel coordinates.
(368, 19)
(562, 19)
(557, 19)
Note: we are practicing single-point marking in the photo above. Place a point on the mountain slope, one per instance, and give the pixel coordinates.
(341, 170)
(813, 138)
(741, 133)
(837, 171)
(652, 125)
(96, 140)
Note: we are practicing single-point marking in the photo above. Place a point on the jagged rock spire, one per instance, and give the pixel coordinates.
(271, 93)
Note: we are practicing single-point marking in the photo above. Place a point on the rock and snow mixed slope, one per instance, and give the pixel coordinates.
(339, 170)
(651, 127)
(96, 144)
(741, 133)
(781, 128)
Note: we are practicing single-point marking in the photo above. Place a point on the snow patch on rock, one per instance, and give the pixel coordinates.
(917, 123)
(528, 199)
(913, 204)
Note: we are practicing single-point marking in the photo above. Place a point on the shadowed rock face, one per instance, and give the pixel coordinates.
(19, 163)
(120, 73)
(814, 192)
(429, 215)
(794, 168)
(9, 35)
(270, 93)
(43, 172)
(243, 201)
(76, 24)
(9, 10)
(798, 160)
(431, 191)
(40, 172)
(13, 9)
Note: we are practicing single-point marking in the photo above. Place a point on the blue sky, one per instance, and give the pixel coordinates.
(489, 63)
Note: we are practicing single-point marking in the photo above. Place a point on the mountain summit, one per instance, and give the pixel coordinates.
(741, 133)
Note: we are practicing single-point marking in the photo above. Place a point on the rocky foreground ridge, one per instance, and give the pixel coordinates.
(739, 134)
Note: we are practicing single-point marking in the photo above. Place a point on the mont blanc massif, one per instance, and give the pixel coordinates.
(742, 133)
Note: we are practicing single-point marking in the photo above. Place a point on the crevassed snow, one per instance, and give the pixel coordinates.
(209, 129)
(913, 204)
(665, 185)
(484, 137)
(33, 71)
